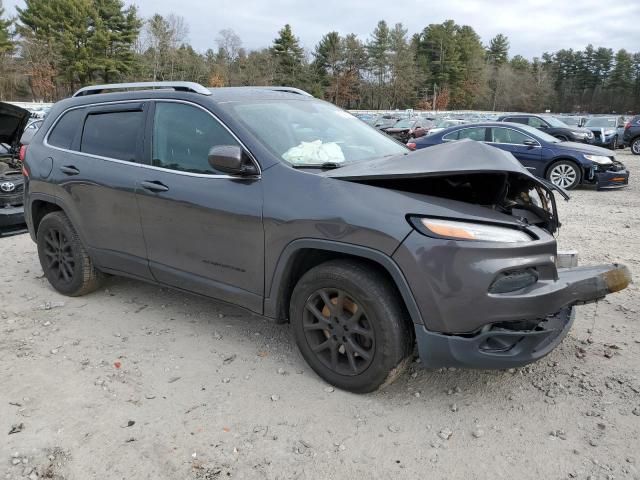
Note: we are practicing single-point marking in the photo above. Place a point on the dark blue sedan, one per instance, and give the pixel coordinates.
(565, 164)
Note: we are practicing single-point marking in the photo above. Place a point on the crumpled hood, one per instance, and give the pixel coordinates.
(460, 157)
(13, 121)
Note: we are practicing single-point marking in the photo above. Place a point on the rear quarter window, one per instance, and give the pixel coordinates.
(65, 129)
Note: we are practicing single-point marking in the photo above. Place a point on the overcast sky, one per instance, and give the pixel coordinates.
(533, 27)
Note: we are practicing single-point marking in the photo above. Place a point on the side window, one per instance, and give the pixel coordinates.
(507, 135)
(517, 120)
(476, 133)
(183, 135)
(535, 122)
(65, 129)
(451, 136)
(113, 134)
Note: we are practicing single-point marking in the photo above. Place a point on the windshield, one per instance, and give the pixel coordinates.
(554, 122)
(308, 133)
(406, 123)
(601, 122)
(535, 133)
(573, 121)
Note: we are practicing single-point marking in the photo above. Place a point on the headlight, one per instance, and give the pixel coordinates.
(599, 159)
(473, 231)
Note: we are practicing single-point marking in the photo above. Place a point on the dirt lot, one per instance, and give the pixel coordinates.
(136, 382)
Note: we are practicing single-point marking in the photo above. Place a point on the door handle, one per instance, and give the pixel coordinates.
(69, 170)
(154, 186)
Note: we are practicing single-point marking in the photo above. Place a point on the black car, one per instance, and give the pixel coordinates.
(631, 135)
(13, 121)
(552, 126)
(565, 164)
(294, 209)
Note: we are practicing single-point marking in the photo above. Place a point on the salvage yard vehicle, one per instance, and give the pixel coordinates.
(552, 126)
(13, 121)
(632, 134)
(564, 164)
(408, 128)
(364, 247)
(608, 131)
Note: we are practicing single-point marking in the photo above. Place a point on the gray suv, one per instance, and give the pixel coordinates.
(290, 207)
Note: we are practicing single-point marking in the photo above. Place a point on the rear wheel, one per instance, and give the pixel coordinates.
(564, 174)
(635, 146)
(350, 326)
(63, 258)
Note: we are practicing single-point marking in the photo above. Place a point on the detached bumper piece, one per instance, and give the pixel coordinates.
(615, 176)
(496, 347)
(515, 343)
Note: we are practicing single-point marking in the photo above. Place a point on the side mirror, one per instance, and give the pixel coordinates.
(530, 143)
(232, 160)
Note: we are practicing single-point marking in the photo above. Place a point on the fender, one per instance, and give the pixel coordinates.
(28, 209)
(271, 301)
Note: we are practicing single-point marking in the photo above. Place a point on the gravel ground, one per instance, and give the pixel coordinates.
(136, 381)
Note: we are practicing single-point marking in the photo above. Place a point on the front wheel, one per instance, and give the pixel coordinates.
(564, 174)
(63, 258)
(350, 326)
(614, 143)
(635, 146)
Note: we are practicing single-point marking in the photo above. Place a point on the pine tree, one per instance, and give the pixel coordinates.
(289, 58)
(6, 43)
(498, 51)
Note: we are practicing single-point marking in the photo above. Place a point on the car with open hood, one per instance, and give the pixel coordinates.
(564, 164)
(294, 209)
(13, 121)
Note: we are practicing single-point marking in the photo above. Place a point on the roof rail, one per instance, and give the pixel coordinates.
(180, 86)
(297, 91)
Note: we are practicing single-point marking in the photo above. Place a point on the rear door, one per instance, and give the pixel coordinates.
(203, 228)
(96, 152)
(513, 141)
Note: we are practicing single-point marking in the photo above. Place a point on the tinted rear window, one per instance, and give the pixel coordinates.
(65, 129)
(113, 134)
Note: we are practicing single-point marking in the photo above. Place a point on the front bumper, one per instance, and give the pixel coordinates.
(510, 344)
(11, 216)
(612, 179)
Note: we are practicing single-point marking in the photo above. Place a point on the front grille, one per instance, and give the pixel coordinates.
(596, 134)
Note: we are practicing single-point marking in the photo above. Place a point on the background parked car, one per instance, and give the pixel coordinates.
(565, 164)
(608, 131)
(408, 128)
(443, 123)
(631, 134)
(572, 120)
(552, 126)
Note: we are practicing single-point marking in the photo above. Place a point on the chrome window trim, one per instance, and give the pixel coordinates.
(152, 167)
(537, 145)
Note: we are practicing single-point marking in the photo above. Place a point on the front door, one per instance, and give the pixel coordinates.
(511, 140)
(203, 229)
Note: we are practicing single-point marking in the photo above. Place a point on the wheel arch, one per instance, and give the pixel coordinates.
(301, 255)
(39, 207)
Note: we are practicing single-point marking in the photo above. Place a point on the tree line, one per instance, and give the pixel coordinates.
(52, 47)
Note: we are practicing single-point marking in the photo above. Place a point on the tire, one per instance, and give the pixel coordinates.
(565, 174)
(350, 325)
(614, 144)
(63, 258)
(635, 146)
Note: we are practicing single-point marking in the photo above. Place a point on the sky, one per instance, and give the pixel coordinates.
(533, 26)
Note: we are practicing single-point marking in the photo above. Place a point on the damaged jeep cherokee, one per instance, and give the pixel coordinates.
(292, 208)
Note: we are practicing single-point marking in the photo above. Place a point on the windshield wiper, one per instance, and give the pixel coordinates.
(326, 165)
